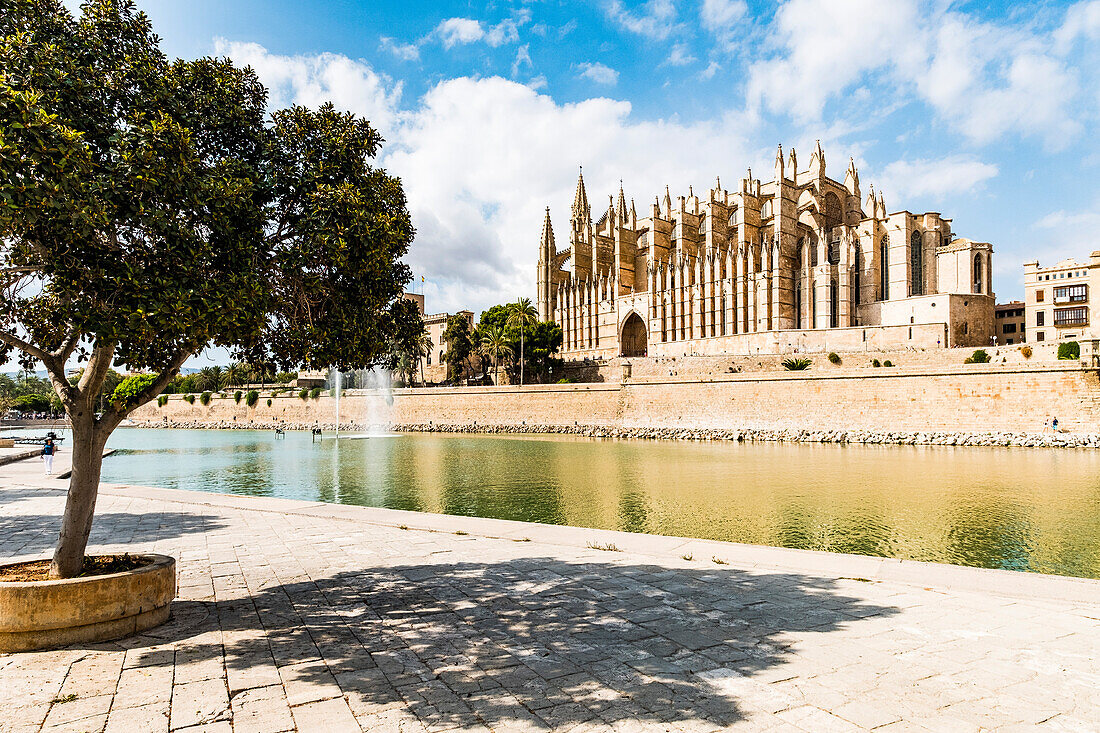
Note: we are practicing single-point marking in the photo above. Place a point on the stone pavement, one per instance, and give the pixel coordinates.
(311, 617)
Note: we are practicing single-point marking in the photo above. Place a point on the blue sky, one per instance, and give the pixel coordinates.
(986, 112)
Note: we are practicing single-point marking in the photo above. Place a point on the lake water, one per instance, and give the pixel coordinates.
(1022, 509)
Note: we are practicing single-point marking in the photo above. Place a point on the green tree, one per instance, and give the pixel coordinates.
(522, 314)
(458, 346)
(148, 210)
(494, 343)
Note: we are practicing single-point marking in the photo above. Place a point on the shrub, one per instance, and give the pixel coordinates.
(237, 396)
(796, 364)
(1026, 351)
(252, 398)
(1069, 350)
(204, 398)
(303, 393)
(888, 363)
(875, 363)
(128, 389)
(315, 392)
(978, 357)
(162, 400)
(269, 402)
(190, 398)
(834, 357)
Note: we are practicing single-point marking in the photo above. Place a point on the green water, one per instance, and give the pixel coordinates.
(1022, 509)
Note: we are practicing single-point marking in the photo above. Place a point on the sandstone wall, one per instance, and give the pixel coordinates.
(975, 398)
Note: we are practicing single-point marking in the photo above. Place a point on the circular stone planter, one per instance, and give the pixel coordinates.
(48, 614)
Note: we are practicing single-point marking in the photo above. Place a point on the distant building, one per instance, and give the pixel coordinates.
(432, 366)
(1009, 323)
(1057, 299)
(800, 263)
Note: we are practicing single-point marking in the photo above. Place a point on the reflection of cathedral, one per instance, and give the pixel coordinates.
(796, 264)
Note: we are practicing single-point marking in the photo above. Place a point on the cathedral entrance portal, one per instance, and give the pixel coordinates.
(633, 341)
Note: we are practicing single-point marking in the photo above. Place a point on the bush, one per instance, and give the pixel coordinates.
(875, 363)
(315, 392)
(888, 363)
(190, 398)
(269, 402)
(127, 391)
(1026, 351)
(796, 364)
(31, 403)
(204, 398)
(162, 400)
(834, 357)
(303, 393)
(237, 396)
(978, 357)
(567, 380)
(1069, 350)
(252, 398)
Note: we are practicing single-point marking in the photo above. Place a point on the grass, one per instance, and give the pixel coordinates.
(718, 561)
(402, 526)
(461, 532)
(65, 698)
(688, 557)
(522, 539)
(609, 547)
(860, 580)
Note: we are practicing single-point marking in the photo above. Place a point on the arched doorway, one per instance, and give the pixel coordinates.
(633, 341)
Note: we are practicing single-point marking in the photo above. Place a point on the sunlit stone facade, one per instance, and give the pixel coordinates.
(800, 263)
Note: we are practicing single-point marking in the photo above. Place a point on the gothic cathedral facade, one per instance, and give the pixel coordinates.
(798, 264)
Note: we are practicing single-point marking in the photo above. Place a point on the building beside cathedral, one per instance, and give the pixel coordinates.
(798, 264)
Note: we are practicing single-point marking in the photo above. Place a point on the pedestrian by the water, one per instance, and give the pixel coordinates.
(1054, 424)
(48, 451)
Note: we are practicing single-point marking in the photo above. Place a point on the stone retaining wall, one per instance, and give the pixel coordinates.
(975, 399)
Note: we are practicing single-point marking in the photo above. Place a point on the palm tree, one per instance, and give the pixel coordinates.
(423, 346)
(521, 314)
(494, 343)
(236, 373)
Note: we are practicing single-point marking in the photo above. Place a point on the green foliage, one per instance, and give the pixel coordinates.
(887, 363)
(1026, 351)
(31, 403)
(315, 392)
(875, 363)
(237, 396)
(978, 357)
(162, 400)
(834, 358)
(541, 341)
(303, 393)
(204, 398)
(1069, 350)
(567, 380)
(190, 398)
(458, 346)
(133, 391)
(796, 364)
(269, 402)
(251, 398)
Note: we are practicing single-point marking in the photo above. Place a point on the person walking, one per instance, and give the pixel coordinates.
(1054, 424)
(48, 451)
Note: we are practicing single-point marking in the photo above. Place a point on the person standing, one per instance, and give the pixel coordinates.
(48, 451)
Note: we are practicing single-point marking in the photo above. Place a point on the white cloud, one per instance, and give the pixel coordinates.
(984, 79)
(523, 57)
(722, 19)
(710, 71)
(935, 179)
(655, 19)
(681, 55)
(1082, 21)
(480, 159)
(403, 51)
(598, 72)
(313, 80)
(454, 31)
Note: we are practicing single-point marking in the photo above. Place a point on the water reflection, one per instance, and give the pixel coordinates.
(1006, 508)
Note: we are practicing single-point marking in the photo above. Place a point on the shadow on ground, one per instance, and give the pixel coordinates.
(532, 641)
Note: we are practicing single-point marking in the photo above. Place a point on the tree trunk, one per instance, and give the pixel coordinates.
(76, 525)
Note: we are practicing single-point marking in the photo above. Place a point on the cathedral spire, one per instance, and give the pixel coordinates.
(580, 200)
(668, 203)
(779, 164)
(621, 203)
(546, 240)
(817, 161)
(792, 164)
(851, 179)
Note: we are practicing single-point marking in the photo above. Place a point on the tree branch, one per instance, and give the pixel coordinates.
(25, 346)
(64, 351)
(114, 415)
(96, 371)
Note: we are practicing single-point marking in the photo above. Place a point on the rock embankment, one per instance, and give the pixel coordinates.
(866, 437)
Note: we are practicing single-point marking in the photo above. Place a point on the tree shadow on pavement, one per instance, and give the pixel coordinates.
(534, 642)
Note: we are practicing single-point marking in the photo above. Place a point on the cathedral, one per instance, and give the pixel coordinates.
(802, 263)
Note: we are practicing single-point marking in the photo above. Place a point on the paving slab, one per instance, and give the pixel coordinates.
(304, 616)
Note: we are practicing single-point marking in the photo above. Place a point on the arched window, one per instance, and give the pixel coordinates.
(916, 264)
(884, 268)
(834, 305)
(978, 273)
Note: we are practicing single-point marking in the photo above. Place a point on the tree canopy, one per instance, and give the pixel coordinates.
(151, 208)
